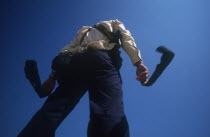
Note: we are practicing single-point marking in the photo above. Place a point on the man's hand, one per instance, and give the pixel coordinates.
(142, 72)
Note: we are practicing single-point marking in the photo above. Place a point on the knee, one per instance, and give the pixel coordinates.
(108, 127)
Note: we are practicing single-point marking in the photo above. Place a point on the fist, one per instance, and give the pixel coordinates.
(142, 73)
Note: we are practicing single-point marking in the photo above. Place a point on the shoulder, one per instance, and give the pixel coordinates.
(110, 24)
(83, 29)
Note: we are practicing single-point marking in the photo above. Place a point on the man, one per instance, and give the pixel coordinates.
(91, 62)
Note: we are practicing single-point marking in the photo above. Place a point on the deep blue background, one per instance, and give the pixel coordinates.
(176, 106)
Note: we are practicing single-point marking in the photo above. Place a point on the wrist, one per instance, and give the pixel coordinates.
(138, 63)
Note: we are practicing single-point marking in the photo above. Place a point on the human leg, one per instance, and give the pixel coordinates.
(58, 105)
(107, 118)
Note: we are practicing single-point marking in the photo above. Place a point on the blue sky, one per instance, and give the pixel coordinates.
(177, 105)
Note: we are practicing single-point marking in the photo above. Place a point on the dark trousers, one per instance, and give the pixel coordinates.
(92, 71)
